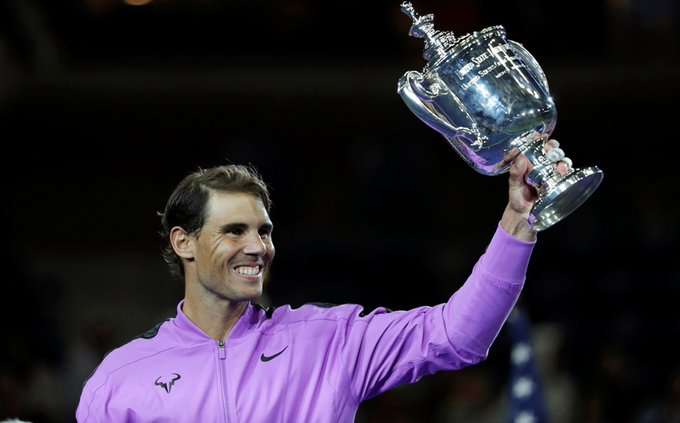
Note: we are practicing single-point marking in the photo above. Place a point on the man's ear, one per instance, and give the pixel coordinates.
(182, 243)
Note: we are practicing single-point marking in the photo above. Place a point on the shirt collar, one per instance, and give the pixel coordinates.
(189, 332)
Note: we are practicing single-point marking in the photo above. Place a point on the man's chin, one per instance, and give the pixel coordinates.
(250, 295)
(240, 296)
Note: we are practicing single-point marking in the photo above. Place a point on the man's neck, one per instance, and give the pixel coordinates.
(215, 317)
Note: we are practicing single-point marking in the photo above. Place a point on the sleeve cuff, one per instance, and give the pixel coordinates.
(506, 257)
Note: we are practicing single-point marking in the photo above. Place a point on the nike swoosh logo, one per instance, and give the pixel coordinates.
(265, 358)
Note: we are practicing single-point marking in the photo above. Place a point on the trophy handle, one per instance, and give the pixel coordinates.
(529, 59)
(419, 100)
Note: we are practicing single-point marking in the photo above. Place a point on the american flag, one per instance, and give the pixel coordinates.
(527, 404)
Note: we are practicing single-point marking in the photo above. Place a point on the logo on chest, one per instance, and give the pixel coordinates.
(265, 358)
(167, 382)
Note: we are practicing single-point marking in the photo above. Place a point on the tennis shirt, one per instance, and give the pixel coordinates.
(308, 364)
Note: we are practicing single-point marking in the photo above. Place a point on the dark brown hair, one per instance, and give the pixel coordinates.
(186, 206)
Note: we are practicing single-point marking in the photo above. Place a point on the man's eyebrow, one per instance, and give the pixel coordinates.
(229, 227)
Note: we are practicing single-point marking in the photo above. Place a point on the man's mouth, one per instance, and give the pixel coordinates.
(249, 271)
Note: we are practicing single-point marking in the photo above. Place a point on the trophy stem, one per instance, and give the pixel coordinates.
(542, 170)
(558, 195)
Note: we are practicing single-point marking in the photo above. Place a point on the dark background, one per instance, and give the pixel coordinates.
(105, 106)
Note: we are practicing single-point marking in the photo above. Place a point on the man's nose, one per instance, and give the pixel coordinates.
(255, 245)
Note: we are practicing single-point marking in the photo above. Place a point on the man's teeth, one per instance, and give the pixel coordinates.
(248, 270)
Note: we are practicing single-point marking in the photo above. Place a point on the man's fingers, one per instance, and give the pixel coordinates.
(568, 162)
(555, 154)
(519, 168)
(509, 157)
(521, 165)
(551, 144)
(563, 167)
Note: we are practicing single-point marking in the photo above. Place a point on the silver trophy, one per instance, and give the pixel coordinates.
(487, 95)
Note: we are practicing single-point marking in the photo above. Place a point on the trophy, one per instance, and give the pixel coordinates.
(487, 95)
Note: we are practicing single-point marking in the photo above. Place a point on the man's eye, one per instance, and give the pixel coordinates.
(235, 231)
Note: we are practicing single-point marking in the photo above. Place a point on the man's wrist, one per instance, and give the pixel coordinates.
(517, 225)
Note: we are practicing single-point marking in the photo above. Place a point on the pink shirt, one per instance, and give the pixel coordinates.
(306, 364)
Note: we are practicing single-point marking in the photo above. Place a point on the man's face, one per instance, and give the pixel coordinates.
(234, 247)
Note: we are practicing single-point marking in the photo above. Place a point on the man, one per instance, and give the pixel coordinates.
(225, 359)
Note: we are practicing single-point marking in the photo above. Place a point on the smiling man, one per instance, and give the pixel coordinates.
(224, 358)
(225, 259)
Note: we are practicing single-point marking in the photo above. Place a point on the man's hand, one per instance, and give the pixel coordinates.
(521, 195)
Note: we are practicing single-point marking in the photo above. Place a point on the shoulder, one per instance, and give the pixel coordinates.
(150, 342)
(122, 364)
(320, 312)
(145, 346)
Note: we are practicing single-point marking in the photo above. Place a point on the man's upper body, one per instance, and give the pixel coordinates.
(224, 359)
(309, 364)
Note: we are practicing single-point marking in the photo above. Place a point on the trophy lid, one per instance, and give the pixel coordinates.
(440, 44)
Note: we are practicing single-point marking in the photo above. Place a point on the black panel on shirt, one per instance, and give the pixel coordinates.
(268, 311)
(151, 333)
(361, 314)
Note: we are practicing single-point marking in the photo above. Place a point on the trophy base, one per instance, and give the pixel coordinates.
(565, 197)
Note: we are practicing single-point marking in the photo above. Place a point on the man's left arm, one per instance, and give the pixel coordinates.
(385, 350)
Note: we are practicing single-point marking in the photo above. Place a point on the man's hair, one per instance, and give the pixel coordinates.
(186, 206)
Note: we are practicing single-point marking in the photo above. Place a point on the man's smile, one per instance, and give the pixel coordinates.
(248, 271)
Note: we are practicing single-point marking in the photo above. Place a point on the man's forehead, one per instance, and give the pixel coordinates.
(224, 207)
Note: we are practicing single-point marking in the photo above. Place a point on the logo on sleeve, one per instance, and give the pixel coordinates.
(167, 382)
(265, 358)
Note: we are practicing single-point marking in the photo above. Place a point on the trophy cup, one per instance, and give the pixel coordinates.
(487, 95)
